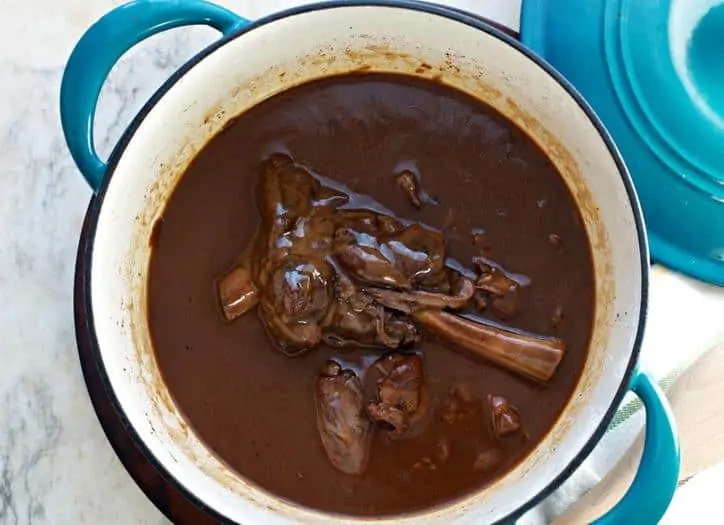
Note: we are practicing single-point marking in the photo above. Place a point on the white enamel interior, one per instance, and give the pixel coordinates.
(318, 43)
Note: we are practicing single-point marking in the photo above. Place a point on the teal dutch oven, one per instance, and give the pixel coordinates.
(243, 68)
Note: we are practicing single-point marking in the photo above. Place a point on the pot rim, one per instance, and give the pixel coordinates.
(84, 313)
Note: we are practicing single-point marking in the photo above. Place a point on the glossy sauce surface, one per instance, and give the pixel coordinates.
(483, 179)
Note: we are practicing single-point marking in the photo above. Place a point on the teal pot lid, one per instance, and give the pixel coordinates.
(653, 70)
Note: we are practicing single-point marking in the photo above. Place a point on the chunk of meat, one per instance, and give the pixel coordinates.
(505, 307)
(411, 301)
(300, 290)
(351, 327)
(480, 301)
(345, 430)
(370, 265)
(505, 418)
(394, 331)
(286, 191)
(409, 256)
(496, 283)
(419, 253)
(291, 339)
(480, 239)
(497, 280)
(408, 183)
(402, 396)
(499, 287)
(295, 303)
(356, 321)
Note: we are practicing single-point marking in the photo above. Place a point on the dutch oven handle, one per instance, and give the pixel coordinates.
(657, 477)
(101, 47)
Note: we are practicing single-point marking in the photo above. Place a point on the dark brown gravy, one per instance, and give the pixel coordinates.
(254, 406)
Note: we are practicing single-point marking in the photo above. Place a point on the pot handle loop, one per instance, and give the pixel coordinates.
(100, 48)
(657, 477)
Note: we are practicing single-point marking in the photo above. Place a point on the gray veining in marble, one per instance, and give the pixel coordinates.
(21, 487)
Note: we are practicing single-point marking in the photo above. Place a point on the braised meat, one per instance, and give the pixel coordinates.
(345, 430)
(329, 265)
(505, 418)
(402, 397)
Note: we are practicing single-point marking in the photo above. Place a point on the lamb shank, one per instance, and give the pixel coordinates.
(331, 266)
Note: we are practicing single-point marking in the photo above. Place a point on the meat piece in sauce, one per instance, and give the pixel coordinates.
(505, 418)
(419, 252)
(296, 302)
(410, 256)
(355, 320)
(409, 181)
(423, 300)
(369, 326)
(408, 184)
(329, 265)
(505, 307)
(500, 286)
(496, 282)
(369, 262)
(480, 240)
(344, 428)
(402, 397)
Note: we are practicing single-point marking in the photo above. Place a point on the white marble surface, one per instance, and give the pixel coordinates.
(55, 463)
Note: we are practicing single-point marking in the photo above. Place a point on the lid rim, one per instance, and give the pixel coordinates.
(647, 98)
(688, 233)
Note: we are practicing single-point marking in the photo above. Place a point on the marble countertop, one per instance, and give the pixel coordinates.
(55, 463)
